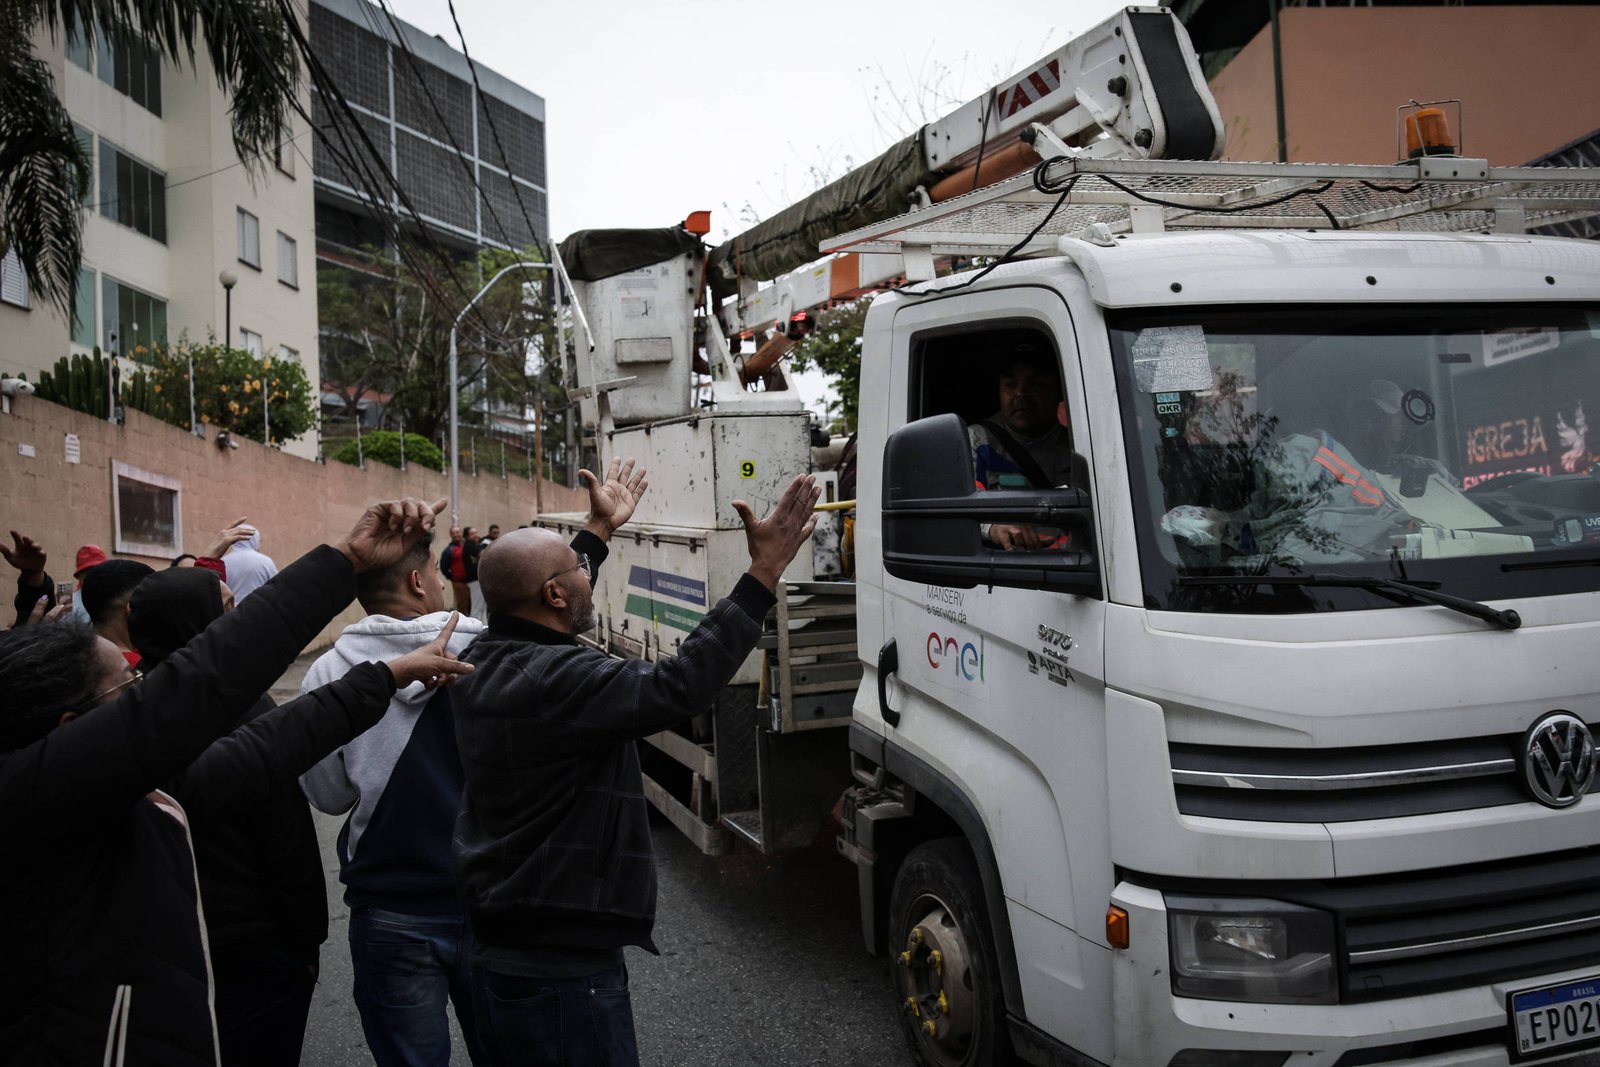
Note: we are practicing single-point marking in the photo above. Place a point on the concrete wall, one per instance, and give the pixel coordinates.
(1525, 75)
(297, 504)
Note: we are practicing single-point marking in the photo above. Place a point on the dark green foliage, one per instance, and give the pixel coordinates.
(79, 382)
(383, 446)
(835, 349)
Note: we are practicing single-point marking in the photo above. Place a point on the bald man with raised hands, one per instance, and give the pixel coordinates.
(552, 848)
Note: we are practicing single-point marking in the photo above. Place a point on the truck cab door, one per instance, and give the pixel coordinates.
(999, 691)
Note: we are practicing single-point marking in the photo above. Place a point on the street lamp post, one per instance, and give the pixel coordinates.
(228, 280)
(455, 437)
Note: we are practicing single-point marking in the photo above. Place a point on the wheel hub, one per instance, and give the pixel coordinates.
(936, 984)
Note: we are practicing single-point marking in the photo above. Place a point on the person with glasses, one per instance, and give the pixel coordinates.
(100, 916)
(553, 850)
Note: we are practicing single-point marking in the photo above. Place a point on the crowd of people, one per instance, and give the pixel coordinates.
(164, 900)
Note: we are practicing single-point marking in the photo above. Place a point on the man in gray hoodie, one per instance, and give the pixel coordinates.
(401, 782)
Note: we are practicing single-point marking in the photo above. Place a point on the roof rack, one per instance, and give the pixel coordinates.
(1437, 193)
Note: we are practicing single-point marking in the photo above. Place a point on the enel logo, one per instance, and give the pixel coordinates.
(962, 658)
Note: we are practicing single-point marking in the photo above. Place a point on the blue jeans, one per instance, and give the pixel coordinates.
(557, 1022)
(405, 966)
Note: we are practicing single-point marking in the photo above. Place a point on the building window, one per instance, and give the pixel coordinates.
(148, 511)
(132, 193)
(250, 341)
(78, 52)
(83, 309)
(132, 68)
(288, 267)
(249, 239)
(86, 142)
(132, 318)
(13, 282)
(283, 152)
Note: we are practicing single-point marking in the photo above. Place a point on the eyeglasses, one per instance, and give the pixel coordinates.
(581, 565)
(133, 679)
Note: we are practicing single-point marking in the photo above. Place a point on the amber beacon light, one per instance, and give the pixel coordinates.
(1425, 128)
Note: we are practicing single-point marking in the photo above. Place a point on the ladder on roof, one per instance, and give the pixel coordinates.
(1105, 197)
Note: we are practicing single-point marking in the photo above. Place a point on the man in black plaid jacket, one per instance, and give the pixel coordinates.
(552, 847)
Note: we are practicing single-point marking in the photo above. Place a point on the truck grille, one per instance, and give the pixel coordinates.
(1345, 784)
(1464, 926)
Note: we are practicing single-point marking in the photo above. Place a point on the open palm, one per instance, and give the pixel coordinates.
(612, 501)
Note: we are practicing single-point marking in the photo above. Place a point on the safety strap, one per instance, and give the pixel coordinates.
(1017, 454)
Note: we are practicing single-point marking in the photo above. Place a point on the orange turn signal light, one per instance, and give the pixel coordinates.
(1116, 927)
(698, 223)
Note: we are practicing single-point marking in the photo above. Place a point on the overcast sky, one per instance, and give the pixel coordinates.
(655, 108)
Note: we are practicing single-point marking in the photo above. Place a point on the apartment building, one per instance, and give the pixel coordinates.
(471, 164)
(170, 209)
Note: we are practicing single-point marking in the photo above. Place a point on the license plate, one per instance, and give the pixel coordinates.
(1557, 1018)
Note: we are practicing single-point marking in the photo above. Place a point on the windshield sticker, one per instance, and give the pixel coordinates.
(1171, 359)
(1578, 531)
(1504, 346)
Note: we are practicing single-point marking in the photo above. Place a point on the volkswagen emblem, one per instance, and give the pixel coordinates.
(1558, 759)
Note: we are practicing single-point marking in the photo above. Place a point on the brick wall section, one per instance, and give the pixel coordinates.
(297, 504)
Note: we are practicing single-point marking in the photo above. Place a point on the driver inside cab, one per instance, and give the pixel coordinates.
(1026, 443)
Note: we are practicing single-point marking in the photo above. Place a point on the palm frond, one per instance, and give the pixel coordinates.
(44, 177)
(250, 46)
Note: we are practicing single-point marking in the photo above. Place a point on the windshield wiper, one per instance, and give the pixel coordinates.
(1505, 619)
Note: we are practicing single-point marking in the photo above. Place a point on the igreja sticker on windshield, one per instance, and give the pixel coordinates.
(1171, 359)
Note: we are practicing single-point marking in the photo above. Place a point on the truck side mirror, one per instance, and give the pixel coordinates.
(932, 511)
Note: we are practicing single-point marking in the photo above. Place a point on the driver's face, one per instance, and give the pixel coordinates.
(1028, 399)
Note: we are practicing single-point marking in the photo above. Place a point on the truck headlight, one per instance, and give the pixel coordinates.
(1257, 951)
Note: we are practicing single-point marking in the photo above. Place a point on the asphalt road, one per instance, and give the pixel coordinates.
(761, 963)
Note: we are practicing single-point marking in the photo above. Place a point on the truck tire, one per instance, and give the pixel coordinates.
(943, 960)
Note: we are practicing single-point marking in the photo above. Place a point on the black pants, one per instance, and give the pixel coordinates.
(262, 1004)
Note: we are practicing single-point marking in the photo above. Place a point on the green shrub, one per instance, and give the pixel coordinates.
(383, 446)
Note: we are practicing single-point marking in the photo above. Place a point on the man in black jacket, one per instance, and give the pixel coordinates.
(553, 851)
(255, 849)
(100, 924)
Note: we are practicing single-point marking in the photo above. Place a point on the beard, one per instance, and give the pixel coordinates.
(580, 609)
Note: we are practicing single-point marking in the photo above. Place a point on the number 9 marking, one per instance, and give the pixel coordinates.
(747, 469)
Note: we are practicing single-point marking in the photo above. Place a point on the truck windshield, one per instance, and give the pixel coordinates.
(1445, 445)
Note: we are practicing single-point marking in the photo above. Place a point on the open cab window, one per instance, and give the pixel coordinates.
(983, 486)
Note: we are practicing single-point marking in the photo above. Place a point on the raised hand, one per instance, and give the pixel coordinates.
(39, 613)
(774, 540)
(611, 502)
(433, 664)
(25, 555)
(387, 530)
(238, 530)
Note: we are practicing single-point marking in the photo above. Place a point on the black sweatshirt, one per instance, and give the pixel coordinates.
(100, 927)
(552, 847)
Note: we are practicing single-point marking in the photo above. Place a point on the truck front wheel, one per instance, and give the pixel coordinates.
(943, 959)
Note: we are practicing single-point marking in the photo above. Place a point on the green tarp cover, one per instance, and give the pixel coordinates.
(871, 193)
(590, 255)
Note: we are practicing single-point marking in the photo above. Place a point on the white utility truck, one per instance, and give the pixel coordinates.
(1279, 754)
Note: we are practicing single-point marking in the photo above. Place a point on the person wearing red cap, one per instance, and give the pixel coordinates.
(89, 557)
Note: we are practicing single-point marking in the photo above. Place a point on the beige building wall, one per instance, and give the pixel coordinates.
(191, 144)
(1526, 76)
(297, 505)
